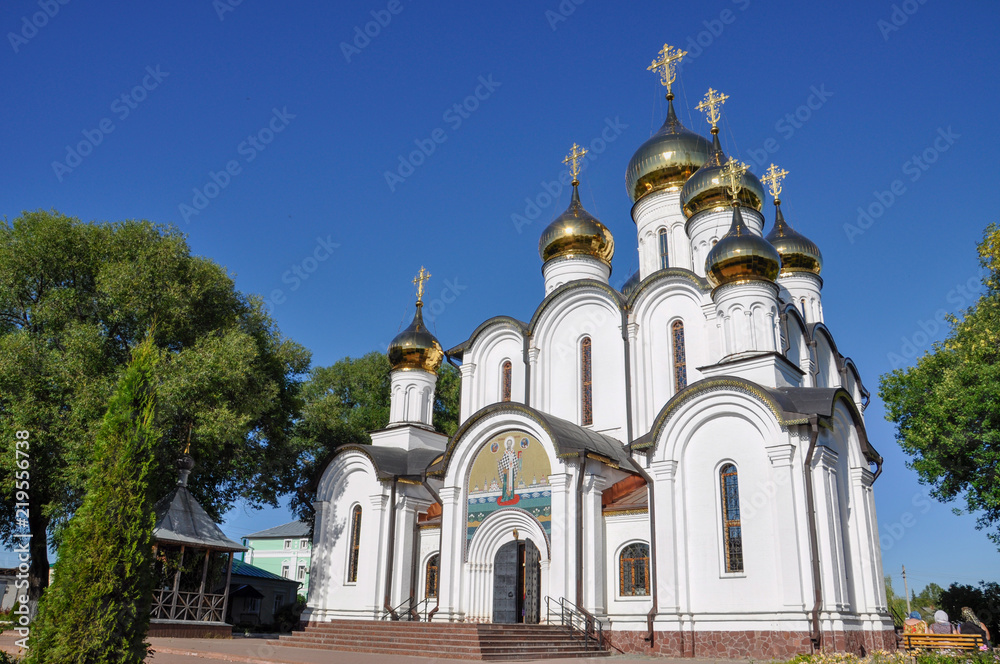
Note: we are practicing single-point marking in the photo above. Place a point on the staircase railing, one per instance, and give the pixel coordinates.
(408, 610)
(578, 620)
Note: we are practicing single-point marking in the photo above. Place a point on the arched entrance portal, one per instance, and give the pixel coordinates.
(517, 583)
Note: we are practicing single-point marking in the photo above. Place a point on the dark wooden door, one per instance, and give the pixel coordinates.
(505, 590)
(532, 583)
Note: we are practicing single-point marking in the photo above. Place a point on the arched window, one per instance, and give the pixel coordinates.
(586, 383)
(431, 583)
(732, 534)
(633, 570)
(664, 249)
(354, 554)
(680, 356)
(505, 376)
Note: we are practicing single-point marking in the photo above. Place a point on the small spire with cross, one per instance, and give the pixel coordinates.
(772, 178)
(733, 172)
(573, 159)
(711, 106)
(419, 282)
(666, 66)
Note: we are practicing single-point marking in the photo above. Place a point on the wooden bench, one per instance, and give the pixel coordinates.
(942, 641)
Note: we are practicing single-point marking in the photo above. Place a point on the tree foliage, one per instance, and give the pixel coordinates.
(75, 299)
(984, 601)
(97, 609)
(946, 408)
(345, 401)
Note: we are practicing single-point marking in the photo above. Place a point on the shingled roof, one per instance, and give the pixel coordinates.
(181, 520)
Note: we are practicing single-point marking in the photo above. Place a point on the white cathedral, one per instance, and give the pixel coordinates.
(683, 461)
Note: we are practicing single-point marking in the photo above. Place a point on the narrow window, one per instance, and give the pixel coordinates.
(505, 372)
(352, 567)
(680, 356)
(633, 570)
(732, 534)
(431, 583)
(664, 259)
(288, 544)
(586, 383)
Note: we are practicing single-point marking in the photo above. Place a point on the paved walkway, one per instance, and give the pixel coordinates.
(257, 651)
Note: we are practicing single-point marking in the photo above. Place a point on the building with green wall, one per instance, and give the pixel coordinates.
(285, 550)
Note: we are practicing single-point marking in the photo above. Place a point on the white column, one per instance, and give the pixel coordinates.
(371, 570)
(452, 568)
(406, 518)
(594, 592)
(468, 385)
(862, 545)
(831, 553)
(562, 579)
(671, 563)
(536, 379)
(784, 505)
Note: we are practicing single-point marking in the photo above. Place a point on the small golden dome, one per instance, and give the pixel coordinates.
(798, 253)
(707, 188)
(576, 232)
(415, 347)
(667, 159)
(741, 256)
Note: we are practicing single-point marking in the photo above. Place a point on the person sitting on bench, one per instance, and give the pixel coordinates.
(941, 624)
(914, 624)
(972, 625)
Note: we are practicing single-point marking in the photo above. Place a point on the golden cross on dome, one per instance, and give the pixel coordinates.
(419, 281)
(733, 171)
(666, 66)
(711, 104)
(772, 178)
(574, 158)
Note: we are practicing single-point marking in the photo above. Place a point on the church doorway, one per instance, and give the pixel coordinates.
(517, 583)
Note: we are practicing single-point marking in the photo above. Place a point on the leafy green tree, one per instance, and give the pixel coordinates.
(947, 408)
(75, 299)
(896, 603)
(984, 601)
(97, 609)
(346, 400)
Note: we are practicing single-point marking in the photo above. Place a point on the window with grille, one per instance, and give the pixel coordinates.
(664, 256)
(586, 383)
(431, 583)
(352, 566)
(505, 372)
(633, 570)
(680, 356)
(732, 535)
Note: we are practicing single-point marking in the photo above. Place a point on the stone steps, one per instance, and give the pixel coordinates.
(445, 640)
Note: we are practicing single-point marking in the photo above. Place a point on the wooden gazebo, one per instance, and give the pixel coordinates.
(194, 562)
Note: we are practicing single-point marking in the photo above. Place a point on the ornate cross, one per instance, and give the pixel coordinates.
(574, 158)
(419, 281)
(711, 104)
(772, 178)
(666, 66)
(733, 171)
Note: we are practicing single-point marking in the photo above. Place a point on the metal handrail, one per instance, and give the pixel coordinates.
(395, 613)
(426, 603)
(409, 610)
(576, 619)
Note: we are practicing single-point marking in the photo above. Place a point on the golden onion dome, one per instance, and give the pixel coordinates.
(798, 253)
(707, 188)
(667, 159)
(415, 347)
(741, 256)
(576, 232)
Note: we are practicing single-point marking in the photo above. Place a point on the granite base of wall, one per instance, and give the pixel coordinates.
(190, 631)
(744, 644)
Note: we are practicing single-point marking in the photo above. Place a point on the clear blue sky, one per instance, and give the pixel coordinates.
(890, 90)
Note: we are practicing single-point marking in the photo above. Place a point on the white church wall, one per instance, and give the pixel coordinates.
(556, 380)
(426, 549)
(624, 612)
(826, 361)
(488, 353)
(348, 481)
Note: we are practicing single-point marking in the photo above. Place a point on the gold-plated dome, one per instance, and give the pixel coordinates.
(415, 347)
(667, 159)
(576, 232)
(707, 188)
(741, 256)
(798, 253)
